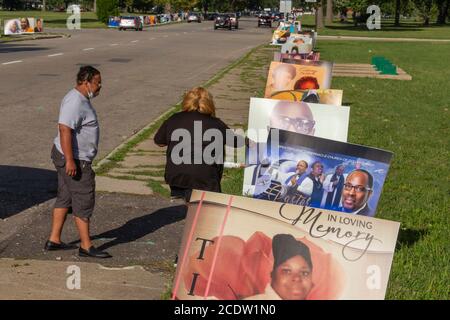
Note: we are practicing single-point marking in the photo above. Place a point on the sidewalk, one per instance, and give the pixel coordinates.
(133, 220)
(34, 279)
(138, 167)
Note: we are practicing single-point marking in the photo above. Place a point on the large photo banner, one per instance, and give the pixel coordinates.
(281, 34)
(279, 57)
(23, 26)
(322, 96)
(298, 44)
(306, 170)
(286, 76)
(237, 248)
(319, 120)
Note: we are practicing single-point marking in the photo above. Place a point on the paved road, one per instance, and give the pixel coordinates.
(143, 73)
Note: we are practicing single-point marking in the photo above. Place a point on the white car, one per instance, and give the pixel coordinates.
(194, 17)
(130, 23)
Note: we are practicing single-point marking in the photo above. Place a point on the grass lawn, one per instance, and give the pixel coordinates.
(54, 19)
(412, 119)
(408, 29)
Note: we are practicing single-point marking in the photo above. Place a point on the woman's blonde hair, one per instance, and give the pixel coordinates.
(199, 99)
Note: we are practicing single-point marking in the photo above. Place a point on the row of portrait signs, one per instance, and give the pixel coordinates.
(20, 26)
(305, 227)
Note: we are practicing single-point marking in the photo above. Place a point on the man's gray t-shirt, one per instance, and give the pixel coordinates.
(77, 113)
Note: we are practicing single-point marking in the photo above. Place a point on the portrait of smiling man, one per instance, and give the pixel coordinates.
(358, 189)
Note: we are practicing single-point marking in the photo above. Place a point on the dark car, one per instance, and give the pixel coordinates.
(265, 21)
(211, 16)
(225, 21)
(277, 16)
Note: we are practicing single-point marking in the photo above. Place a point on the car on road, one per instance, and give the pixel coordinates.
(194, 17)
(277, 16)
(265, 21)
(130, 23)
(222, 21)
(234, 20)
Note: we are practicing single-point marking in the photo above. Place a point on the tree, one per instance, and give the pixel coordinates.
(319, 15)
(329, 18)
(425, 9)
(443, 6)
(397, 13)
(107, 8)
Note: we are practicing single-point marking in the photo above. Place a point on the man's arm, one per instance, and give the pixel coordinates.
(65, 134)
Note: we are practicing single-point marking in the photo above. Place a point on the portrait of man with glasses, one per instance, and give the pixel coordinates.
(358, 188)
(294, 117)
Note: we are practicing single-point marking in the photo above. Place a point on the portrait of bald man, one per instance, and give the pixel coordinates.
(293, 116)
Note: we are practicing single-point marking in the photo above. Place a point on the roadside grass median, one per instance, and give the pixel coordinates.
(54, 19)
(412, 119)
(409, 28)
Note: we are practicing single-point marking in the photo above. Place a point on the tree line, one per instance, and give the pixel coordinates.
(427, 10)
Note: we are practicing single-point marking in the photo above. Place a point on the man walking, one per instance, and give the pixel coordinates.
(74, 149)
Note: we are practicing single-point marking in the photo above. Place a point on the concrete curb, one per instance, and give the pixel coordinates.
(40, 37)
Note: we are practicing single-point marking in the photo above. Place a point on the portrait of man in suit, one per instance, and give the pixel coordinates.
(358, 189)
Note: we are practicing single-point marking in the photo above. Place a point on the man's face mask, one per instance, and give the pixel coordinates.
(90, 93)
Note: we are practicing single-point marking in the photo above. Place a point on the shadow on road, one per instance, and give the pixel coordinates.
(14, 47)
(23, 187)
(140, 227)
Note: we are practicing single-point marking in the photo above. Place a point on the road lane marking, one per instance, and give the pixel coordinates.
(114, 44)
(134, 41)
(152, 39)
(88, 49)
(12, 62)
(55, 55)
(185, 33)
(166, 36)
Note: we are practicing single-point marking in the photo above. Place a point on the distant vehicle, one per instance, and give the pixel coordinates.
(277, 16)
(234, 20)
(194, 17)
(265, 21)
(223, 21)
(211, 16)
(130, 23)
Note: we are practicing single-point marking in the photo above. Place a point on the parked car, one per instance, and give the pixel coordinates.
(194, 17)
(130, 23)
(222, 21)
(265, 21)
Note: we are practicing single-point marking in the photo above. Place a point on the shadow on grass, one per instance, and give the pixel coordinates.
(64, 21)
(383, 28)
(408, 237)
